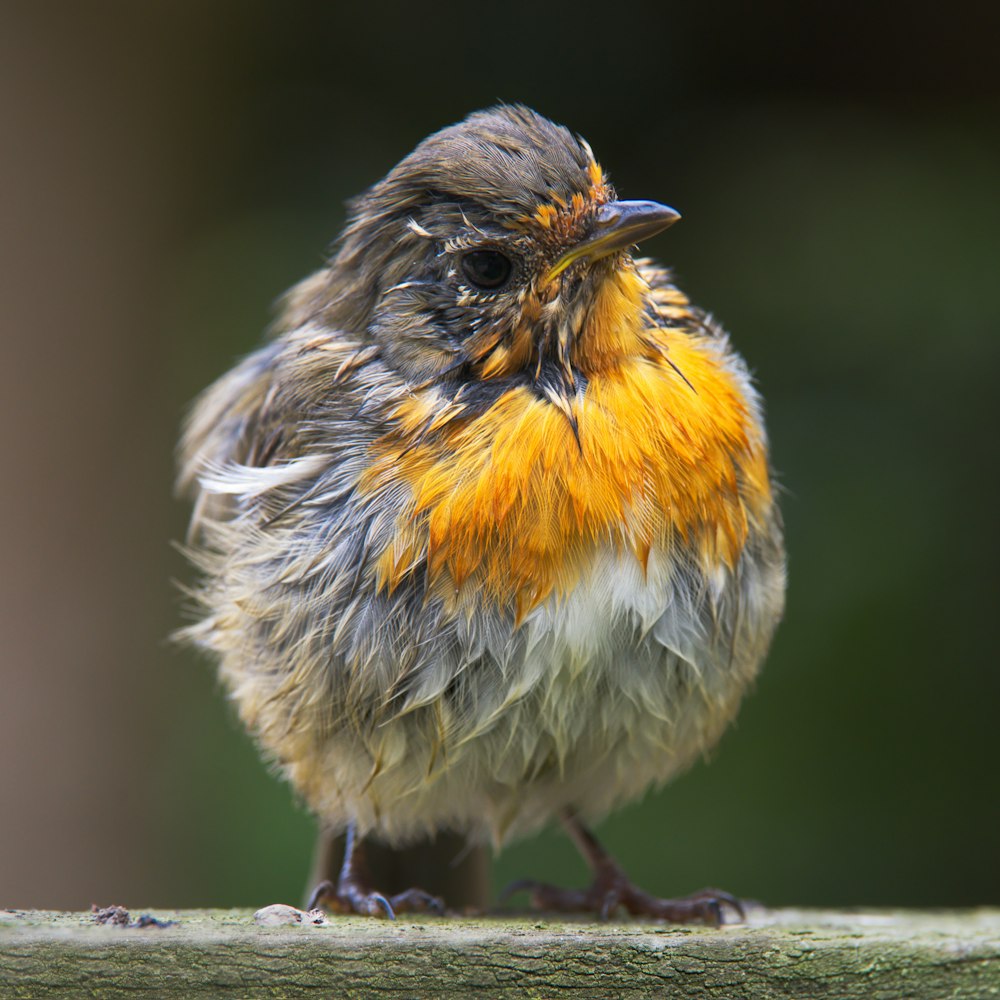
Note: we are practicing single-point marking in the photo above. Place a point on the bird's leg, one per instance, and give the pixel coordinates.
(351, 893)
(611, 889)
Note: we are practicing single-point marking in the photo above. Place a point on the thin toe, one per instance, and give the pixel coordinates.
(417, 901)
(723, 898)
(326, 890)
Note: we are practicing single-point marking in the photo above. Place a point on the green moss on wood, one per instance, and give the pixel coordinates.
(221, 953)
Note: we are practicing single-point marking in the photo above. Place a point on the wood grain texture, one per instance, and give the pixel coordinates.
(873, 955)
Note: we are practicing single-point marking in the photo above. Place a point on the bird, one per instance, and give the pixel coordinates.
(486, 531)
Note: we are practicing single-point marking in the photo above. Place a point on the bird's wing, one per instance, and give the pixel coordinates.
(254, 429)
(229, 425)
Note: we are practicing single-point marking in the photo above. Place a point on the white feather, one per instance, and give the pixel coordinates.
(248, 481)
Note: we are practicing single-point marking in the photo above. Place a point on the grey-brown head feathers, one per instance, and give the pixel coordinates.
(505, 160)
(489, 171)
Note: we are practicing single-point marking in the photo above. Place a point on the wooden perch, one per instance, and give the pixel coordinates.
(225, 953)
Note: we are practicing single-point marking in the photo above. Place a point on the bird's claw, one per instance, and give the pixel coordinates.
(613, 890)
(349, 896)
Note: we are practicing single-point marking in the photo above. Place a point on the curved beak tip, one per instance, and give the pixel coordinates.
(641, 219)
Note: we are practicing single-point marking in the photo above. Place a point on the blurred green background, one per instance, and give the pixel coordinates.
(169, 168)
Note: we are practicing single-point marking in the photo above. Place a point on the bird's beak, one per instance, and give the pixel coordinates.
(619, 224)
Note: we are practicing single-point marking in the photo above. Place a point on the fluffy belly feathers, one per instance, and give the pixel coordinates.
(599, 694)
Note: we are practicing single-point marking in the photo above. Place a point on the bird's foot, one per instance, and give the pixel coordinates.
(612, 889)
(349, 895)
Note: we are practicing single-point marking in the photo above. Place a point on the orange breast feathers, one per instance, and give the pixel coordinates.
(513, 503)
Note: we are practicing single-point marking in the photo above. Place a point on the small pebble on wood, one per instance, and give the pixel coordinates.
(281, 914)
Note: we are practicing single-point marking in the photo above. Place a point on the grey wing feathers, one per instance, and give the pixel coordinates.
(225, 428)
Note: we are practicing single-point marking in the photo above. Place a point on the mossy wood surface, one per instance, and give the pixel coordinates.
(223, 953)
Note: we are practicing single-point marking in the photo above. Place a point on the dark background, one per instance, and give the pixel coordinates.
(167, 169)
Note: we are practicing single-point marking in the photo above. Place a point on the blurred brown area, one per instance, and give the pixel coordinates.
(167, 169)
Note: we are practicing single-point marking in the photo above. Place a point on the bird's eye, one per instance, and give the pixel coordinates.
(486, 268)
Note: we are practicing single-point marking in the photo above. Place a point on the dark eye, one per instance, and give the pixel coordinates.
(486, 268)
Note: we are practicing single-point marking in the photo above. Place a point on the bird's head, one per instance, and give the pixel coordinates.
(497, 252)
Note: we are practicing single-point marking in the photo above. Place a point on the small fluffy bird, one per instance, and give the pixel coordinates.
(486, 530)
